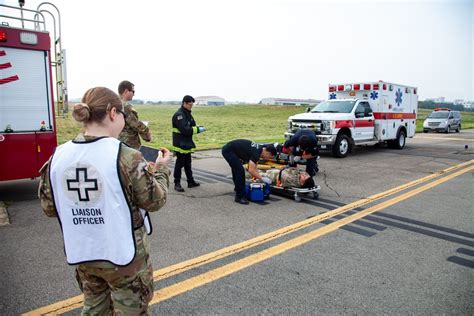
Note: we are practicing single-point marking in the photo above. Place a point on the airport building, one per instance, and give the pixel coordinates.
(296, 102)
(209, 100)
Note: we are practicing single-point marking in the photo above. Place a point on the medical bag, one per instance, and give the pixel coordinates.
(257, 192)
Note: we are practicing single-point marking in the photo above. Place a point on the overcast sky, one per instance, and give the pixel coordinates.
(248, 50)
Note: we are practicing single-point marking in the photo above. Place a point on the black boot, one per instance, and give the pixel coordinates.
(178, 187)
(193, 184)
(241, 200)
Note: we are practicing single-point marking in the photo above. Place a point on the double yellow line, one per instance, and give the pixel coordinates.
(220, 272)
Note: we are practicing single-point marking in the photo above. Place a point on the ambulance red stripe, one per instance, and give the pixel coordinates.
(344, 123)
(393, 116)
(364, 123)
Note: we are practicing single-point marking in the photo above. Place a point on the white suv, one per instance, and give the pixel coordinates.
(442, 120)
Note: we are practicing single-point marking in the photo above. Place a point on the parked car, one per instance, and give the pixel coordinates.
(442, 120)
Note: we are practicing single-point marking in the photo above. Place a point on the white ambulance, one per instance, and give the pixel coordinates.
(361, 114)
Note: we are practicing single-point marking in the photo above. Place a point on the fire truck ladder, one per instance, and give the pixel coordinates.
(59, 61)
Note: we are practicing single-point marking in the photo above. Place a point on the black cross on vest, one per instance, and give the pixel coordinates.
(82, 184)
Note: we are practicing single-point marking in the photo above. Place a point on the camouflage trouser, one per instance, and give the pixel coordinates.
(112, 290)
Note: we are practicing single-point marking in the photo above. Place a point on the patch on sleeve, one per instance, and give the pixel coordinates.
(179, 117)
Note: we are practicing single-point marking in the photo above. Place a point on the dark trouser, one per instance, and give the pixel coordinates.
(311, 166)
(238, 173)
(183, 160)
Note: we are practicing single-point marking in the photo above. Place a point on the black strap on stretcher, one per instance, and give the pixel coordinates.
(279, 177)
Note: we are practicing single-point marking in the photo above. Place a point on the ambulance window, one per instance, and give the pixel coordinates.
(367, 110)
(360, 109)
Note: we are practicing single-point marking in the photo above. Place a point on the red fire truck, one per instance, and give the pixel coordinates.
(28, 56)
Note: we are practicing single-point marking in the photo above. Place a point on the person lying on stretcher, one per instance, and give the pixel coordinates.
(287, 177)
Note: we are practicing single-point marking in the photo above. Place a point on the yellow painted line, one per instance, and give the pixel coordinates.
(445, 138)
(218, 273)
(76, 302)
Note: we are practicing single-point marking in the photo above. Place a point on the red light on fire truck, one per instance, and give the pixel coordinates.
(3, 36)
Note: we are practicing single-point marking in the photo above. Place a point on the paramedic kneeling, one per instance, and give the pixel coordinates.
(241, 151)
(305, 144)
(102, 202)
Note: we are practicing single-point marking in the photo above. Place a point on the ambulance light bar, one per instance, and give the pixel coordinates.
(332, 88)
(3, 36)
(348, 87)
(366, 86)
(357, 86)
(340, 87)
(28, 38)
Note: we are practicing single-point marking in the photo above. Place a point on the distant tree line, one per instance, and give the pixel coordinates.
(452, 106)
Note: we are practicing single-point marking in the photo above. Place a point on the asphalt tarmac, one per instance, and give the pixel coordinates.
(362, 248)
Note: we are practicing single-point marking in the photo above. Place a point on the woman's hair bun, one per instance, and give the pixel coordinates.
(81, 112)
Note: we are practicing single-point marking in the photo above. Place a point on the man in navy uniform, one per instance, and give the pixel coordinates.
(241, 151)
(304, 144)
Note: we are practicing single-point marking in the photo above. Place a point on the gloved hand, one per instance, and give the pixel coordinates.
(201, 129)
(267, 180)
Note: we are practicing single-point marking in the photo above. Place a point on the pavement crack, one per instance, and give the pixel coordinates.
(327, 184)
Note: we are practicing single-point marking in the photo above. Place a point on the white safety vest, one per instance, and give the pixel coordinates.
(95, 217)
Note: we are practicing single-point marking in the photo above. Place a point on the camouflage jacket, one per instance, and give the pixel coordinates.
(290, 177)
(133, 128)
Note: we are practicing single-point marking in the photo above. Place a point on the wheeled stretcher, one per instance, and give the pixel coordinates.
(296, 193)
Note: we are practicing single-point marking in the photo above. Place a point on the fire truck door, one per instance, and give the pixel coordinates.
(364, 122)
(17, 151)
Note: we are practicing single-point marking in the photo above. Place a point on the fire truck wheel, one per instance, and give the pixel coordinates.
(342, 146)
(399, 143)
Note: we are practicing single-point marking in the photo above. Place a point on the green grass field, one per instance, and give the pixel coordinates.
(260, 123)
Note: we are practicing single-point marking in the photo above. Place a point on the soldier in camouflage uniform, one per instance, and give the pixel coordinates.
(134, 128)
(110, 289)
(290, 177)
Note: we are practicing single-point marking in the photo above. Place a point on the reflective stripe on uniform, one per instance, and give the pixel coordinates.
(195, 130)
(182, 151)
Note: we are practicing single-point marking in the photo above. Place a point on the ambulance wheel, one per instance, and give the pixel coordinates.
(342, 146)
(315, 195)
(399, 143)
(448, 129)
(458, 129)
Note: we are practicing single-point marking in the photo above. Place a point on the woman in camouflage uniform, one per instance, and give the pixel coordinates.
(108, 288)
